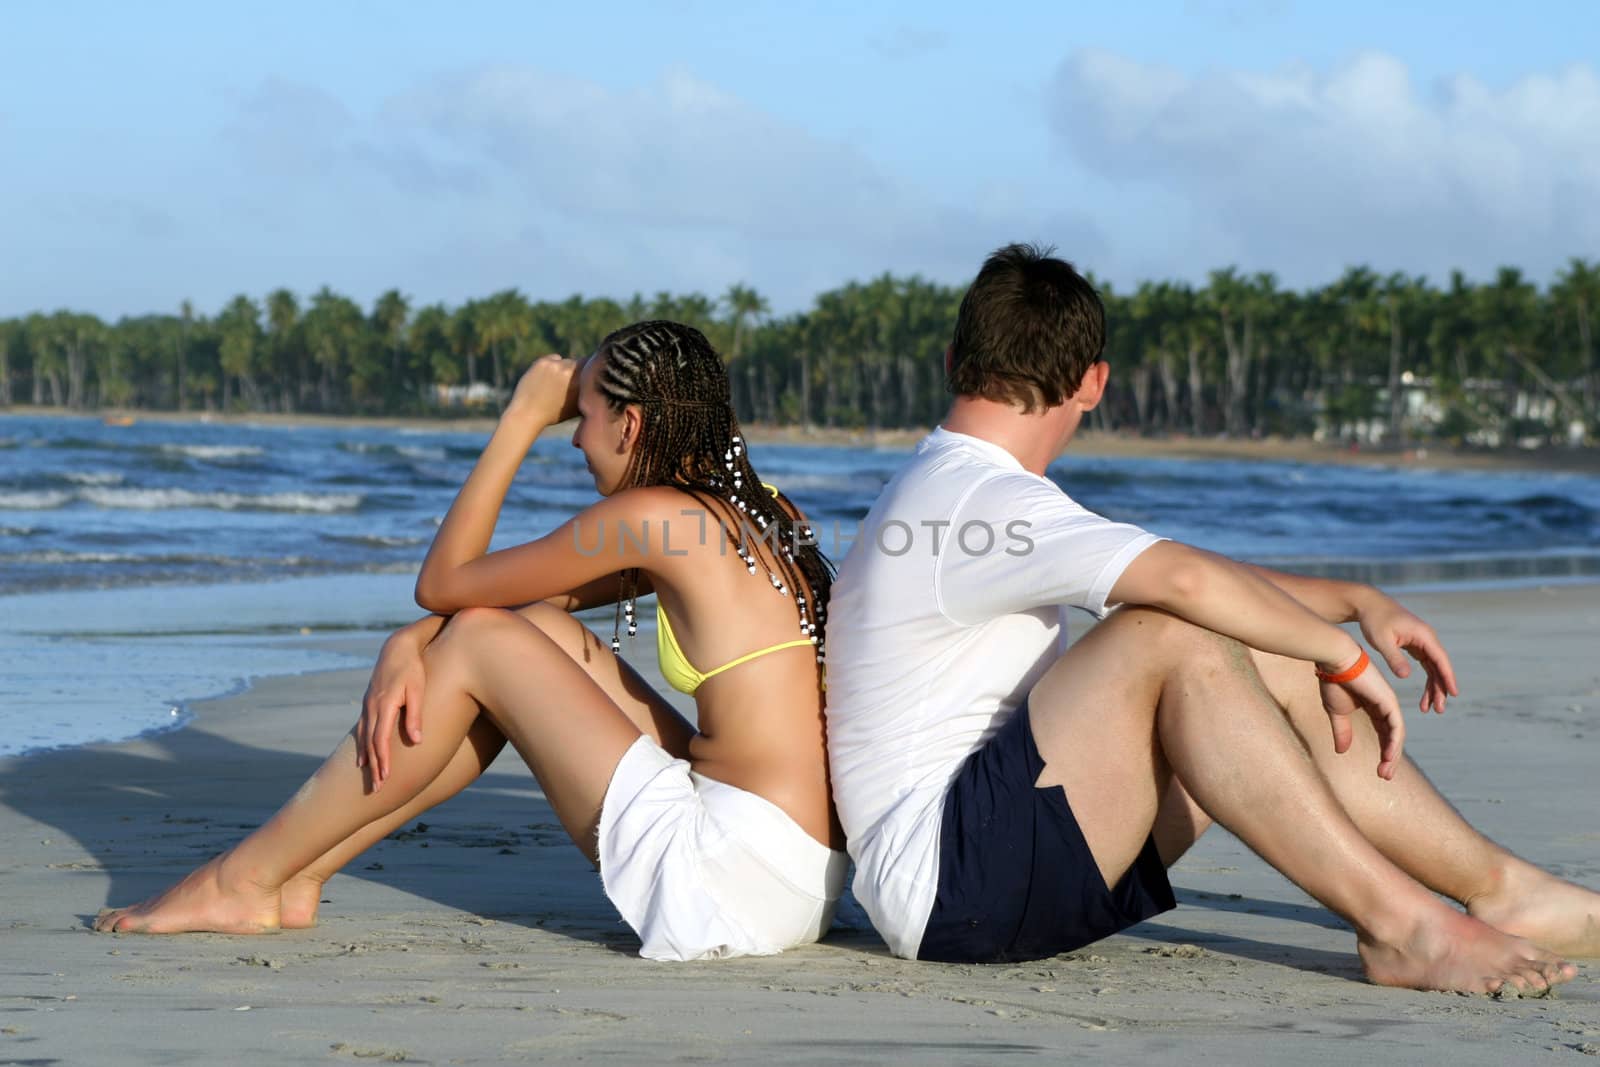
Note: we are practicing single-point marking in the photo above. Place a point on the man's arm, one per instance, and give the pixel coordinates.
(1390, 629)
(1235, 600)
(1221, 595)
(1333, 600)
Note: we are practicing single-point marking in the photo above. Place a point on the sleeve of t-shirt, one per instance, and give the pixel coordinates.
(1018, 542)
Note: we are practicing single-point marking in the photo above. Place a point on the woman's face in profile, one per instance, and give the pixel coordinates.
(605, 437)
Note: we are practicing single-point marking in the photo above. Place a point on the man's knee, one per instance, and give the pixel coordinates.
(1284, 677)
(1166, 637)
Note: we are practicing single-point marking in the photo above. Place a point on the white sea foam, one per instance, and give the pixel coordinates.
(35, 501)
(376, 540)
(418, 452)
(163, 499)
(214, 451)
(53, 556)
(94, 477)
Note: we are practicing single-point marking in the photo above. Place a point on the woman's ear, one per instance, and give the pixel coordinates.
(632, 421)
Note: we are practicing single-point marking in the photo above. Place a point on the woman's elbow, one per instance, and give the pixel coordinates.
(431, 598)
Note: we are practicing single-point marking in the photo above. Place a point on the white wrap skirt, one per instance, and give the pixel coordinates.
(705, 870)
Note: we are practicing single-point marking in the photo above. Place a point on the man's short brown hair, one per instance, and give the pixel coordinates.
(1029, 328)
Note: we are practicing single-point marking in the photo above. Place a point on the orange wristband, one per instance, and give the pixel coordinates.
(1349, 673)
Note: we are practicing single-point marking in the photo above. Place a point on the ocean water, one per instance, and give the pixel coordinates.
(144, 567)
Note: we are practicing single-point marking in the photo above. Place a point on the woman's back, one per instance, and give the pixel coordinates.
(761, 720)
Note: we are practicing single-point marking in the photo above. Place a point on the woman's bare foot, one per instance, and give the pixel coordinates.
(298, 902)
(1548, 911)
(206, 900)
(1452, 952)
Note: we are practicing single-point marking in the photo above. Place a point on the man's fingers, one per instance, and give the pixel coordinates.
(1343, 735)
(1391, 725)
(1399, 666)
(1427, 650)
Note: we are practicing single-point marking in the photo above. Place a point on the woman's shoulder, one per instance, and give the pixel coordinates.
(649, 501)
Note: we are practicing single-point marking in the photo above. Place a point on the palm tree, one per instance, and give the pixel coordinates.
(240, 328)
(745, 307)
(10, 333)
(285, 348)
(1577, 292)
(334, 329)
(389, 316)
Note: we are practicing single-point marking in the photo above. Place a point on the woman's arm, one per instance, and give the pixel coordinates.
(597, 593)
(395, 689)
(545, 395)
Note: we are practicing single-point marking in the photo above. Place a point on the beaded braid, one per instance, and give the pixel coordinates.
(689, 438)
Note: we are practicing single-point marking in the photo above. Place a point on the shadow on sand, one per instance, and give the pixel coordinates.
(147, 812)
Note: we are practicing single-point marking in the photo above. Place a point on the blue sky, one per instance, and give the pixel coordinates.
(155, 152)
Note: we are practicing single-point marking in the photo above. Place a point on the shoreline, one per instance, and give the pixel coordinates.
(480, 934)
(362, 638)
(1089, 444)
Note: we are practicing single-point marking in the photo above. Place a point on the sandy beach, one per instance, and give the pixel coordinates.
(481, 935)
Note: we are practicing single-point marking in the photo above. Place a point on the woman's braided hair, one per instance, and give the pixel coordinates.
(689, 438)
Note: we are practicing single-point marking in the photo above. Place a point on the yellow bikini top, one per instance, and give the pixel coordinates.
(681, 674)
(675, 666)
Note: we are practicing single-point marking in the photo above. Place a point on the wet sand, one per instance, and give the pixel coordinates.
(481, 935)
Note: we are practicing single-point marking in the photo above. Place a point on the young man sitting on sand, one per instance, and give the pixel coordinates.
(993, 787)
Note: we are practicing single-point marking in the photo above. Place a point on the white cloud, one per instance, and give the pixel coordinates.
(517, 176)
(1304, 172)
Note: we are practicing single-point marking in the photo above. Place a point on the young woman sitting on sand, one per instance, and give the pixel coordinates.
(716, 842)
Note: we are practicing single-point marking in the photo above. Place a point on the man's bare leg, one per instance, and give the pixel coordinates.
(566, 729)
(653, 715)
(1145, 697)
(1417, 829)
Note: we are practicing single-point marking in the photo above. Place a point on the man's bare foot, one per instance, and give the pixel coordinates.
(1548, 911)
(206, 900)
(1452, 952)
(298, 902)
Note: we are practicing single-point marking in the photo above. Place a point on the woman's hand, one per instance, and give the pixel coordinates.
(395, 690)
(547, 393)
(1367, 692)
(1393, 632)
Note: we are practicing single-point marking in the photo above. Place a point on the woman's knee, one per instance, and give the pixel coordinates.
(467, 629)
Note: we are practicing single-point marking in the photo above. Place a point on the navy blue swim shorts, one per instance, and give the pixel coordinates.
(1016, 878)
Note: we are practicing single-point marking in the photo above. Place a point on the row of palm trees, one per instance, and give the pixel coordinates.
(1386, 356)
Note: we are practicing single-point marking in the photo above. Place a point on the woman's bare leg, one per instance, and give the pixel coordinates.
(1417, 829)
(302, 895)
(653, 715)
(566, 728)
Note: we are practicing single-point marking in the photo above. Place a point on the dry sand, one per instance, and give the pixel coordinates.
(485, 937)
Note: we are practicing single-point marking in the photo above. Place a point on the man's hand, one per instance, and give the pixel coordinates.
(394, 690)
(1393, 632)
(1367, 692)
(547, 392)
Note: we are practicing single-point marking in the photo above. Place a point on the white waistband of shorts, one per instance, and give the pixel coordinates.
(775, 839)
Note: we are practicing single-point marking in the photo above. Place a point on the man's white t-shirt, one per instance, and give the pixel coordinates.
(946, 611)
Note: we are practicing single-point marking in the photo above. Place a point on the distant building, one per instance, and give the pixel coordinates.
(476, 395)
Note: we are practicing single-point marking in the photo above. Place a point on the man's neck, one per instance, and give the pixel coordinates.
(1034, 438)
